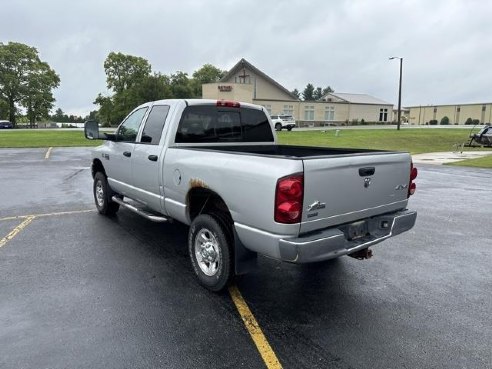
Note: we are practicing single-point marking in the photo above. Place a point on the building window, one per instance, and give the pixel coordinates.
(383, 115)
(330, 113)
(458, 109)
(268, 108)
(289, 109)
(309, 112)
(483, 108)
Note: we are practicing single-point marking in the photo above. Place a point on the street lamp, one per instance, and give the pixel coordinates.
(399, 91)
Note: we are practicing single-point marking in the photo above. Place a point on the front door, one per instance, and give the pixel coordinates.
(119, 171)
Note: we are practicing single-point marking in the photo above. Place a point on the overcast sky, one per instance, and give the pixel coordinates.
(446, 45)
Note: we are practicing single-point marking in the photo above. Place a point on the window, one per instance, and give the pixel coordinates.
(289, 109)
(128, 130)
(383, 115)
(155, 123)
(330, 113)
(208, 123)
(309, 112)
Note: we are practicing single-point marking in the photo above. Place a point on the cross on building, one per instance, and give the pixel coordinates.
(243, 76)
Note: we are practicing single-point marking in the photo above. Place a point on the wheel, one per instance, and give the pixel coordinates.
(102, 195)
(278, 127)
(289, 129)
(210, 252)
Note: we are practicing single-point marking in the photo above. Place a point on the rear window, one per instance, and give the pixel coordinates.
(208, 123)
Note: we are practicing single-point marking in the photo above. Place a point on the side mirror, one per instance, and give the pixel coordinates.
(91, 130)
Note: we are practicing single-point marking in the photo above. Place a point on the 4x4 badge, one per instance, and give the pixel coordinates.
(316, 206)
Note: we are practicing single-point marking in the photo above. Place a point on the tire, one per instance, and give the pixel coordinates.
(289, 129)
(102, 195)
(210, 252)
(278, 127)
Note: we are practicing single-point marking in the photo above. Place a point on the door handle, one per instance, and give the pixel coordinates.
(153, 157)
(369, 171)
(127, 153)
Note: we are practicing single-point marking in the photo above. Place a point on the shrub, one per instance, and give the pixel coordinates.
(433, 122)
(469, 121)
(476, 121)
(445, 120)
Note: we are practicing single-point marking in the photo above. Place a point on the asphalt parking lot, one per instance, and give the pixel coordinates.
(78, 290)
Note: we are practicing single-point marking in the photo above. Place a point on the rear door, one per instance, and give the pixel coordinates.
(348, 188)
(147, 159)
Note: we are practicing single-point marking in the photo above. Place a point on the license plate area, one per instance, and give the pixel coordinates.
(356, 230)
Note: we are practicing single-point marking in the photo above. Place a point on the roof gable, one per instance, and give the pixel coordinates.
(243, 63)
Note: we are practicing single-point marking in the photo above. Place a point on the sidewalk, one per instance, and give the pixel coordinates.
(447, 157)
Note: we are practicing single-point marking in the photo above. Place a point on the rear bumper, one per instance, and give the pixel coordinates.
(332, 242)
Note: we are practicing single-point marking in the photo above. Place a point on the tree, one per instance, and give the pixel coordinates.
(151, 88)
(38, 99)
(4, 109)
(318, 93)
(58, 116)
(444, 120)
(308, 93)
(328, 90)
(296, 93)
(25, 81)
(180, 85)
(206, 74)
(124, 71)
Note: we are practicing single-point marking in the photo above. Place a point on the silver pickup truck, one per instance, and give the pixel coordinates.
(216, 166)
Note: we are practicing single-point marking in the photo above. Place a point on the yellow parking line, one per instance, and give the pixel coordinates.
(64, 213)
(254, 330)
(47, 156)
(16, 230)
(48, 214)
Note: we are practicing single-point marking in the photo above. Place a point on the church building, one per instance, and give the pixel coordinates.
(245, 82)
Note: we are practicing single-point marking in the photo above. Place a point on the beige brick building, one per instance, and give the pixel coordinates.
(245, 82)
(457, 114)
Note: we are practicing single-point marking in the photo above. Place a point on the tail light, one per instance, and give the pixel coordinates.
(228, 104)
(288, 199)
(412, 187)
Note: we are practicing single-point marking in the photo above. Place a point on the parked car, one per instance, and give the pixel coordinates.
(283, 121)
(6, 124)
(217, 166)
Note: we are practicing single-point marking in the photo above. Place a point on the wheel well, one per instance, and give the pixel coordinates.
(203, 200)
(97, 167)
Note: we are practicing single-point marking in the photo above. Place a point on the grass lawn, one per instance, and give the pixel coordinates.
(44, 138)
(485, 162)
(416, 141)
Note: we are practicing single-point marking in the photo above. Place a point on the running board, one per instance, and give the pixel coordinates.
(144, 213)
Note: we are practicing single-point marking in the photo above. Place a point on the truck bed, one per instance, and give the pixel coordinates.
(289, 151)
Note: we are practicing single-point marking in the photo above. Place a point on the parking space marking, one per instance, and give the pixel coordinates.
(49, 214)
(47, 156)
(65, 213)
(254, 330)
(16, 230)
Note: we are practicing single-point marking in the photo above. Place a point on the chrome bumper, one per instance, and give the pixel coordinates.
(331, 243)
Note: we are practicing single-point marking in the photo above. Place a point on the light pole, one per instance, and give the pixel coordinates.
(399, 91)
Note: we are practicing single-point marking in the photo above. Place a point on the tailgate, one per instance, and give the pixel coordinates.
(342, 189)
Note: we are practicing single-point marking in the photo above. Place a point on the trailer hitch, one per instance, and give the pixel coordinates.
(362, 254)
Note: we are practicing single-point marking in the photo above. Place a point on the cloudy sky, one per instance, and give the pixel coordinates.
(446, 45)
